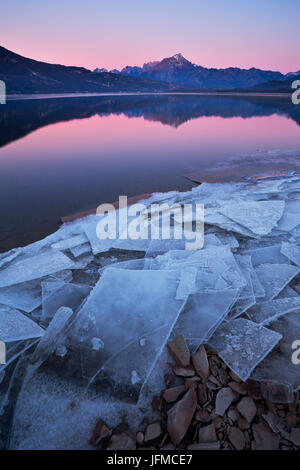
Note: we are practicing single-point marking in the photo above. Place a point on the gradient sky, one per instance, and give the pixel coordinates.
(115, 33)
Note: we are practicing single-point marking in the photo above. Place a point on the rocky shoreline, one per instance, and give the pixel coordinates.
(205, 406)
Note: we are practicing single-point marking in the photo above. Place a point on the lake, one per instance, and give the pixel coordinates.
(64, 155)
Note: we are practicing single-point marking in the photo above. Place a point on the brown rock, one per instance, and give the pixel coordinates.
(243, 423)
(123, 441)
(203, 416)
(192, 381)
(233, 415)
(157, 404)
(276, 391)
(140, 438)
(181, 415)
(200, 362)
(247, 408)
(238, 388)
(253, 389)
(169, 379)
(208, 434)
(224, 398)
(202, 394)
(295, 436)
(222, 374)
(292, 419)
(184, 371)
(171, 394)
(205, 446)
(236, 437)
(265, 438)
(153, 431)
(179, 351)
(101, 431)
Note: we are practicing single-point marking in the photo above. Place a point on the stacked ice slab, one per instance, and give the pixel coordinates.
(102, 311)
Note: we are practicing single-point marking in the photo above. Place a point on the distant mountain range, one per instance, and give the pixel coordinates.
(180, 71)
(23, 75)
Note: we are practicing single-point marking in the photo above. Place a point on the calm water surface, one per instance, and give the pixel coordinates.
(61, 156)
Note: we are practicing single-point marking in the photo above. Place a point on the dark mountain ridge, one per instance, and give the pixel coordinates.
(23, 75)
(178, 70)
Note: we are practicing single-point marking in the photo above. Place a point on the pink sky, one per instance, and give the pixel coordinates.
(113, 34)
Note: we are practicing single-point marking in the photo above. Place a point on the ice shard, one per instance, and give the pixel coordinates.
(260, 217)
(61, 294)
(35, 267)
(125, 307)
(291, 251)
(26, 296)
(53, 335)
(283, 363)
(266, 312)
(243, 344)
(69, 243)
(14, 326)
(275, 277)
(203, 313)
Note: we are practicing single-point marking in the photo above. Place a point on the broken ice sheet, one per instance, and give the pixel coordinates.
(35, 267)
(265, 312)
(52, 335)
(291, 216)
(266, 254)
(275, 277)
(80, 249)
(71, 242)
(15, 326)
(203, 313)
(125, 306)
(260, 217)
(243, 344)
(246, 297)
(61, 294)
(291, 251)
(279, 365)
(26, 296)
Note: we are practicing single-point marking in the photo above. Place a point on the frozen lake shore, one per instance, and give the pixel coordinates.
(86, 321)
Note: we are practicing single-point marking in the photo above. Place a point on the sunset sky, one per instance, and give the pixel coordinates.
(115, 33)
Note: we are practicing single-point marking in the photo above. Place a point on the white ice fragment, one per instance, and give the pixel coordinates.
(71, 242)
(203, 313)
(291, 216)
(135, 379)
(280, 364)
(260, 217)
(124, 306)
(14, 326)
(266, 254)
(80, 249)
(35, 267)
(97, 344)
(61, 294)
(52, 336)
(26, 296)
(274, 277)
(291, 251)
(243, 344)
(266, 312)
